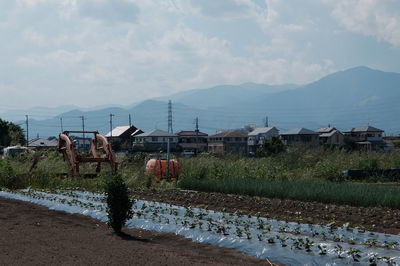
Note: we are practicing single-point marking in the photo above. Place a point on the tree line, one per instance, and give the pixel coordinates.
(11, 134)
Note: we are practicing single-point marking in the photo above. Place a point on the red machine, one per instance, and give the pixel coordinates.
(163, 169)
(99, 143)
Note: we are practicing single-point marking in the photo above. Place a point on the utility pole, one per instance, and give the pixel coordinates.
(130, 137)
(266, 121)
(169, 131)
(197, 135)
(61, 124)
(83, 129)
(111, 116)
(27, 130)
(170, 117)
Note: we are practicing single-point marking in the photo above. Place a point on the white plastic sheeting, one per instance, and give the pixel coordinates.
(288, 243)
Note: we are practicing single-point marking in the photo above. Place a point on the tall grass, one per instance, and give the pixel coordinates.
(297, 165)
(324, 191)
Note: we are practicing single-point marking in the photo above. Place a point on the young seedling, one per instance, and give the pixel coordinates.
(390, 244)
(271, 240)
(308, 245)
(248, 234)
(239, 232)
(389, 261)
(355, 254)
(371, 242)
(374, 259)
(282, 239)
(339, 251)
(322, 249)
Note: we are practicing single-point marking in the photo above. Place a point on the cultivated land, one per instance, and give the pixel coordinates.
(304, 186)
(378, 219)
(35, 235)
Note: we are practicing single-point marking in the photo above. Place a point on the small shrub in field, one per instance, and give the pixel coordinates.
(8, 177)
(119, 205)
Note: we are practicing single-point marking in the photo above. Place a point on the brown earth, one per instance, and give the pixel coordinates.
(377, 219)
(33, 235)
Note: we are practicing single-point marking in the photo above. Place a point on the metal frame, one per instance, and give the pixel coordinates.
(99, 142)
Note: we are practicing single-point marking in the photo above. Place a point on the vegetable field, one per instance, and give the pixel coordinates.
(287, 242)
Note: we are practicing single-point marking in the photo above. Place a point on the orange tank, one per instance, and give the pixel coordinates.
(158, 168)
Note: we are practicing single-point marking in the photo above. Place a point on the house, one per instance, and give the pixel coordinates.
(301, 137)
(40, 143)
(258, 135)
(195, 141)
(228, 142)
(330, 136)
(155, 140)
(81, 143)
(366, 137)
(120, 137)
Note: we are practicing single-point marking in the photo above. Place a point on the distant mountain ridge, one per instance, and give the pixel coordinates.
(345, 99)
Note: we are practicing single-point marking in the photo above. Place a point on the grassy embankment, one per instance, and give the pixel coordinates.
(308, 175)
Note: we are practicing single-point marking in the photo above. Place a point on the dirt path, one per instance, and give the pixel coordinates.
(377, 219)
(33, 235)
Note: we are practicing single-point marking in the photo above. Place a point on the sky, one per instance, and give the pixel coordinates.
(99, 52)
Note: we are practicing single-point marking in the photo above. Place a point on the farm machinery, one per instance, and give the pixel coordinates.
(100, 150)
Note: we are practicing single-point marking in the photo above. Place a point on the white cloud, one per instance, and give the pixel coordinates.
(378, 18)
(150, 48)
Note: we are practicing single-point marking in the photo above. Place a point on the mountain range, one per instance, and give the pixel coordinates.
(345, 99)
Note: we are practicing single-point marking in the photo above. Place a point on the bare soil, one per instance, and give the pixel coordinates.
(377, 219)
(34, 235)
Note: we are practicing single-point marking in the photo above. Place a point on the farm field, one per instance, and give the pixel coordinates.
(293, 193)
(34, 235)
(291, 243)
(379, 219)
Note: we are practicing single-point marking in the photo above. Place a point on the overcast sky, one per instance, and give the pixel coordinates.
(94, 52)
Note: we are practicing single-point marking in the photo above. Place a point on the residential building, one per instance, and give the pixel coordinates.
(194, 141)
(258, 135)
(40, 143)
(366, 137)
(330, 136)
(228, 142)
(300, 137)
(81, 143)
(121, 137)
(155, 140)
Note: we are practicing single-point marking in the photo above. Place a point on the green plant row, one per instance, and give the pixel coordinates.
(325, 191)
(298, 164)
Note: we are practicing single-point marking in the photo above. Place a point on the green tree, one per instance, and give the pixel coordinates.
(11, 134)
(270, 147)
(119, 204)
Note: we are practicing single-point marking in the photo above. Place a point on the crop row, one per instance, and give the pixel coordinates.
(329, 241)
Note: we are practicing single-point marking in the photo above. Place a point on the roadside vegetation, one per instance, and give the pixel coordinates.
(307, 175)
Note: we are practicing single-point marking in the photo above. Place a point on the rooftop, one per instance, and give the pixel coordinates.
(261, 130)
(118, 131)
(325, 129)
(156, 133)
(192, 133)
(300, 131)
(365, 129)
(40, 142)
(231, 134)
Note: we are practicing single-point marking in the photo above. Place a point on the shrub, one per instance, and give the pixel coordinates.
(271, 147)
(8, 177)
(119, 205)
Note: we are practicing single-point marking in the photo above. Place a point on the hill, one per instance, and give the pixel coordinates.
(345, 99)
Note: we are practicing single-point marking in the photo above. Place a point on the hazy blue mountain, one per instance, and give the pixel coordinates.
(349, 98)
(354, 97)
(225, 94)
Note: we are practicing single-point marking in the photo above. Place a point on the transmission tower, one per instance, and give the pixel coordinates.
(170, 117)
